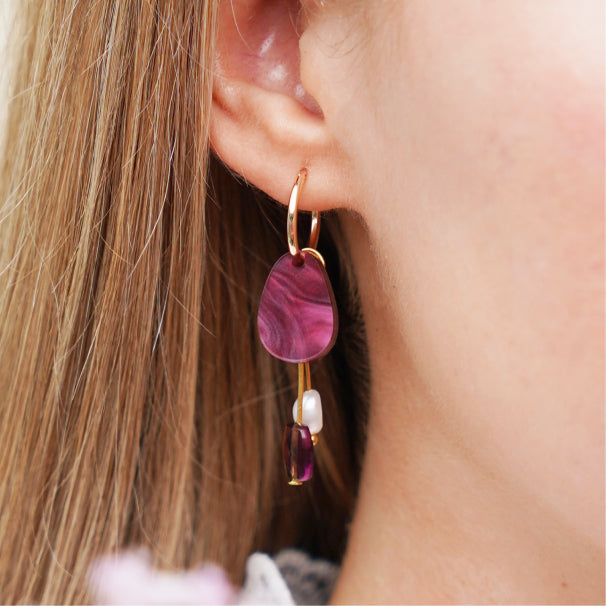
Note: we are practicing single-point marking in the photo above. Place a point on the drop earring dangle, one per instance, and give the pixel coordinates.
(298, 323)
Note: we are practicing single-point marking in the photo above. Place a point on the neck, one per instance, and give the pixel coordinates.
(431, 524)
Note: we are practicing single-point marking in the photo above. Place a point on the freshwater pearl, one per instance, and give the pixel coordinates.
(312, 411)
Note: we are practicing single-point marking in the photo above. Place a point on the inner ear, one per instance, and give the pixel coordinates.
(258, 41)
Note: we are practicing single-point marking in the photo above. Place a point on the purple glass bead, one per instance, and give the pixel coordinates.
(297, 318)
(298, 452)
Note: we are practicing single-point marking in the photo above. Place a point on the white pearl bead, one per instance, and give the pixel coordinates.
(312, 411)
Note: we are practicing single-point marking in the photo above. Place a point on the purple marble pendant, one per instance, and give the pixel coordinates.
(297, 318)
(298, 452)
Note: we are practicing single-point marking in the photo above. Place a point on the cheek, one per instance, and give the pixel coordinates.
(494, 120)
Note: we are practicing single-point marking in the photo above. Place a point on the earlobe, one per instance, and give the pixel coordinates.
(264, 125)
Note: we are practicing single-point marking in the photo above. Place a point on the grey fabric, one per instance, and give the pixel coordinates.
(310, 581)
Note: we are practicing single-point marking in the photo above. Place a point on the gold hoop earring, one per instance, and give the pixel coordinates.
(291, 219)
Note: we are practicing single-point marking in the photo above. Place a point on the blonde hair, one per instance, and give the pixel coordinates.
(138, 407)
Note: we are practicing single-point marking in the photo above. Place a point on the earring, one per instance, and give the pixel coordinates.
(298, 323)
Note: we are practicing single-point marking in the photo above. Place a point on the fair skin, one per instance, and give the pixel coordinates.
(468, 145)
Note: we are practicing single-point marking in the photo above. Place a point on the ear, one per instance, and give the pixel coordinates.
(264, 125)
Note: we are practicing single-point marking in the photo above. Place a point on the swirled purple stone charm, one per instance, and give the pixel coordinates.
(297, 318)
(298, 452)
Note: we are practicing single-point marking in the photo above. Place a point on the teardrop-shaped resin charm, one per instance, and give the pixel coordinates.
(297, 318)
(298, 451)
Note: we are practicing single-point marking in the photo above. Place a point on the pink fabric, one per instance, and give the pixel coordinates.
(128, 578)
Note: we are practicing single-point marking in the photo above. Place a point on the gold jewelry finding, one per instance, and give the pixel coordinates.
(291, 220)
